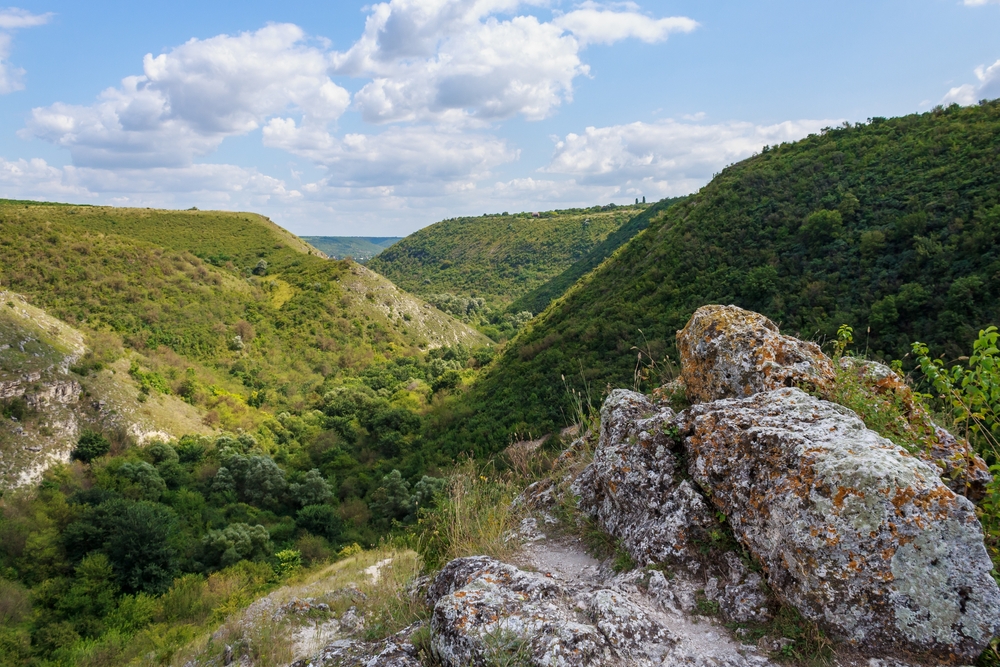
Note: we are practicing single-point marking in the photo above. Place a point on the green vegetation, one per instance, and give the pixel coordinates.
(476, 268)
(893, 225)
(226, 310)
(359, 248)
(537, 299)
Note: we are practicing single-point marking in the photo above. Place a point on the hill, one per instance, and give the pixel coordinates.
(891, 226)
(476, 268)
(359, 248)
(537, 299)
(223, 315)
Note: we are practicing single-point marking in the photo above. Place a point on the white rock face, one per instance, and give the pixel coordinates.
(570, 615)
(853, 531)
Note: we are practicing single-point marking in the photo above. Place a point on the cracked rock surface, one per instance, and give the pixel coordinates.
(853, 531)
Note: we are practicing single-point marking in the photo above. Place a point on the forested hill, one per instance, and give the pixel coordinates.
(892, 224)
(474, 268)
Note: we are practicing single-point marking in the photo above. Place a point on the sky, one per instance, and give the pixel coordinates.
(342, 118)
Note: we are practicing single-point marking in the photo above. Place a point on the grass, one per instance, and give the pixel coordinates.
(475, 517)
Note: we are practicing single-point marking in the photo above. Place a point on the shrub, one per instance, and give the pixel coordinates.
(91, 445)
(321, 520)
(236, 542)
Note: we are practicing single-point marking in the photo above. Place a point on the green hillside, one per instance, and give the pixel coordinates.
(220, 304)
(359, 248)
(892, 224)
(476, 268)
(537, 299)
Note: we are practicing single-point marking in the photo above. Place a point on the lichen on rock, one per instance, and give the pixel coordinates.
(852, 530)
(728, 352)
(633, 487)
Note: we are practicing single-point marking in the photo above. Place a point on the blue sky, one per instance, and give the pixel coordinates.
(342, 118)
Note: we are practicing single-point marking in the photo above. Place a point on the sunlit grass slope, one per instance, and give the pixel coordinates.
(497, 257)
(227, 310)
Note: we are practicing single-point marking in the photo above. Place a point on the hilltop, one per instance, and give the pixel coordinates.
(477, 268)
(359, 248)
(890, 226)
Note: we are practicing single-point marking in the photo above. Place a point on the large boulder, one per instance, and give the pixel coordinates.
(488, 612)
(633, 488)
(853, 531)
(728, 352)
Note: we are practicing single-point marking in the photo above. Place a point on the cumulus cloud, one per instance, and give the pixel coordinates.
(191, 98)
(593, 24)
(11, 18)
(394, 157)
(987, 87)
(677, 157)
(457, 61)
(223, 185)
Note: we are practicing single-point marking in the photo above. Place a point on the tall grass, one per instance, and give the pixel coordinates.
(475, 517)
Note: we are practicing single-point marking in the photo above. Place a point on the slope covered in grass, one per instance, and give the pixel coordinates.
(892, 224)
(220, 304)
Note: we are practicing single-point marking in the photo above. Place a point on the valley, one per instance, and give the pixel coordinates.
(207, 418)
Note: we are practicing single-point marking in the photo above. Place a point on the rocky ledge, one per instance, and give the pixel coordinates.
(761, 496)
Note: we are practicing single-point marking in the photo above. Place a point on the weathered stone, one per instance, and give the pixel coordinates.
(395, 651)
(853, 531)
(485, 610)
(739, 592)
(632, 487)
(960, 468)
(728, 352)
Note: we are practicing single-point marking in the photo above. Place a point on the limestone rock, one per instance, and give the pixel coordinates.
(960, 468)
(395, 651)
(728, 352)
(632, 487)
(854, 532)
(485, 610)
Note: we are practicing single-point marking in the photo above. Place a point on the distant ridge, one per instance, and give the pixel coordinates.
(359, 248)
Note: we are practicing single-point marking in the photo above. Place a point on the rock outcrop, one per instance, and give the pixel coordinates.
(852, 530)
(728, 352)
(569, 614)
(633, 489)
(857, 533)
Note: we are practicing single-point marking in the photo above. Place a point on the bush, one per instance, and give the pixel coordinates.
(236, 542)
(90, 446)
(321, 520)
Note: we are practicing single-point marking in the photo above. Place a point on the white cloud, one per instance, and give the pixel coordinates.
(592, 24)
(979, 3)
(11, 18)
(189, 99)
(987, 88)
(675, 157)
(397, 156)
(455, 61)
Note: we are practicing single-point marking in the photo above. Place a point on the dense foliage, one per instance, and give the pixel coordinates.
(359, 248)
(474, 268)
(892, 225)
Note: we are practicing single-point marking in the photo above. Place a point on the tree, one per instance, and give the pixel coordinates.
(90, 446)
(257, 480)
(313, 490)
(321, 520)
(236, 542)
(138, 544)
